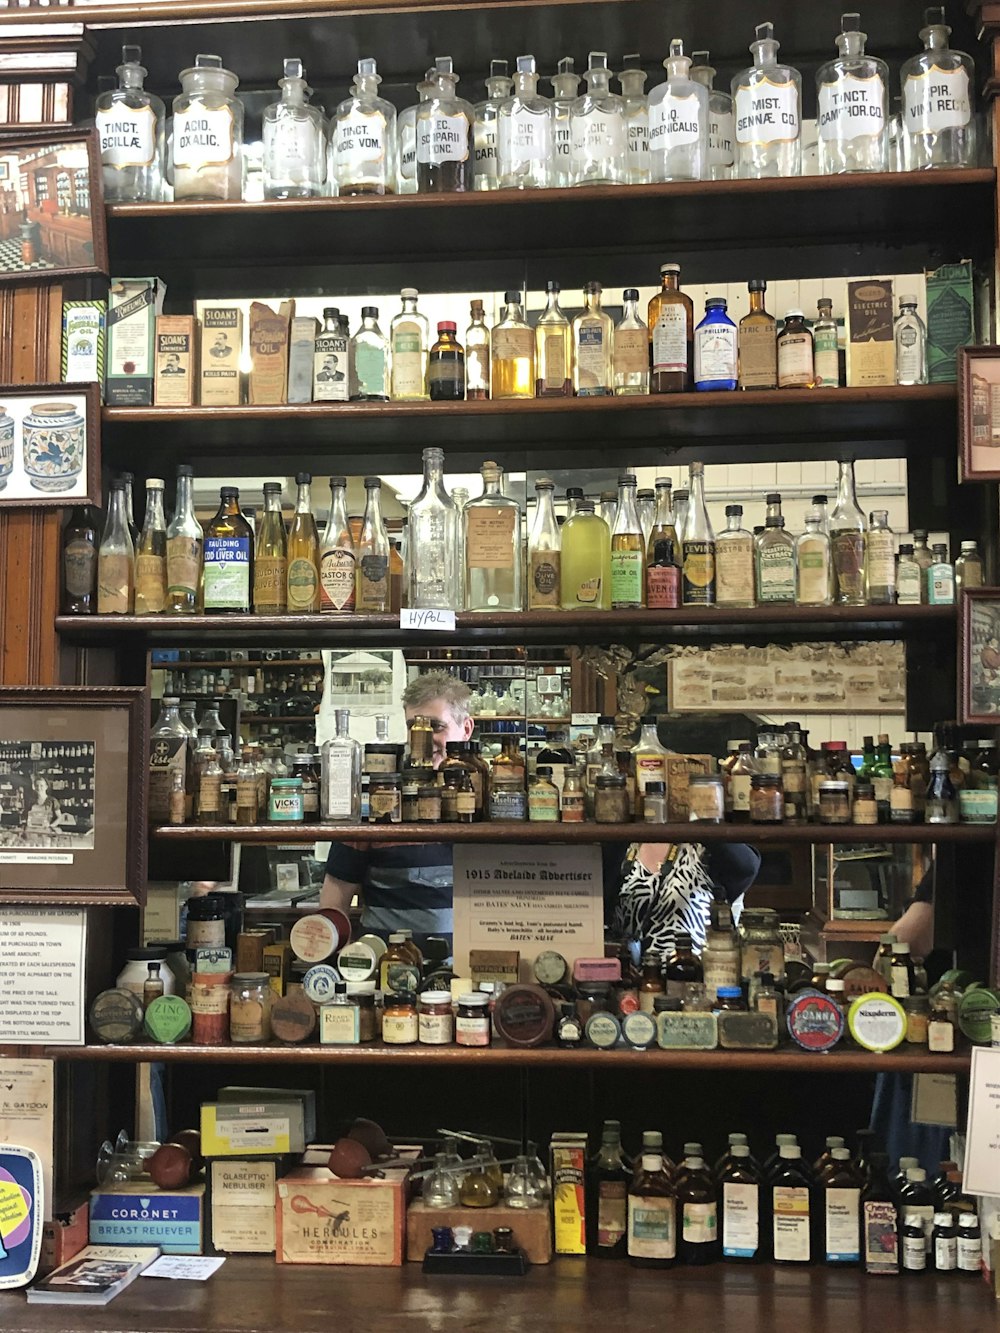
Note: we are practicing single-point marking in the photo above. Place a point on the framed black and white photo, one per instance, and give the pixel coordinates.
(50, 444)
(979, 657)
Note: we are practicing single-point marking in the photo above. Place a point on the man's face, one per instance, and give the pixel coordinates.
(445, 727)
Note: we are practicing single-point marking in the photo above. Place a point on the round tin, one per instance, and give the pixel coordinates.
(293, 1017)
(314, 938)
(603, 1031)
(860, 980)
(357, 962)
(877, 1022)
(319, 981)
(524, 1015)
(639, 1029)
(168, 1019)
(815, 1021)
(375, 942)
(975, 1014)
(550, 968)
(116, 1016)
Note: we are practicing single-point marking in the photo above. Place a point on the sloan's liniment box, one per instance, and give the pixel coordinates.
(325, 1220)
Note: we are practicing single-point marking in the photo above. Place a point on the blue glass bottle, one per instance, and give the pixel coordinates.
(715, 348)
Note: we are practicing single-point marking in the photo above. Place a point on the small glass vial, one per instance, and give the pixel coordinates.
(939, 125)
(130, 134)
(715, 350)
(940, 1030)
(429, 803)
(678, 122)
(795, 353)
(852, 120)
(207, 139)
(706, 799)
(486, 131)
(597, 129)
(446, 366)
(721, 129)
(910, 334)
(573, 800)
(525, 124)
(435, 1019)
(630, 357)
(768, 102)
(472, 1020)
(444, 136)
(940, 577)
(363, 139)
(400, 1024)
(543, 796)
(632, 81)
(385, 799)
(294, 140)
(865, 809)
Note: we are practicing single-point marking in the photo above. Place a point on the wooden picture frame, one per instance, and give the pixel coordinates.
(52, 221)
(979, 413)
(979, 657)
(73, 763)
(50, 445)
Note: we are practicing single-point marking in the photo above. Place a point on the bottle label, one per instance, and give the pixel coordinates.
(767, 112)
(714, 352)
(734, 571)
(543, 584)
(183, 565)
(303, 585)
(472, 1031)
(663, 587)
(777, 573)
(485, 147)
(209, 792)
(739, 791)
(612, 1218)
(489, 536)
(795, 361)
(909, 346)
(826, 356)
(791, 1223)
(247, 794)
(436, 1029)
(721, 139)
(881, 557)
(359, 144)
(330, 364)
(408, 362)
(508, 803)
(843, 1233)
(293, 147)
(914, 1254)
(899, 982)
(740, 1218)
(597, 136)
(591, 360)
(543, 805)
(970, 1253)
(399, 1029)
(114, 583)
(850, 107)
(670, 339)
(525, 137)
(936, 100)
(509, 344)
(848, 549)
(227, 573)
(700, 1223)
(554, 374)
(442, 139)
(758, 355)
(338, 783)
(369, 368)
(337, 577)
(408, 154)
(722, 968)
(698, 588)
(270, 580)
(631, 353)
(150, 583)
(945, 1253)
(652, 1227)
(373, 592)
(674, 122)
(589, 591)
(922, 1213)
(167, 754)
(79, 567)
(203, 137)
(626, 578)
(649, 767)
(881, 1237)
(637, 138)
(127, 135)
(812, 555)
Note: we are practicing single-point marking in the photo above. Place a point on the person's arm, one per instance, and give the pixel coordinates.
(916, 926)
(345, 875)
(733, 866)
(337, 893)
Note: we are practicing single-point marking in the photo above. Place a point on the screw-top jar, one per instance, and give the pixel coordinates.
(208, 133)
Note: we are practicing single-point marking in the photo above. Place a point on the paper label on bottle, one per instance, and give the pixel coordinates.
(652, 1227)
(525, 137)
(554, 361)
(293, 147)
(486, 149)
(203, 137)
(739, 791)
(597, 136)
(436, 1029)
(740, 1221)
(408, 362)
(850, 107)
(330, 367)
(670, 339)
(442, 139)
(562, 146)
(359, 143)
(734, 571)
(338, 783)
(795, 360)
(970, 1253)
(698, 588)
(509, 344)
(946, 1254)
(408, 153)
(114, 583)
(700, 1223)
(922, 1213)
(79, 566)
(758, 355)
(127, 135)
(899, 982)
(303, 583)
(591, 359)
(714, 352)
(909, 583)
(373, 583)
(674, 122)
(812, 555)
(472, 1031)
(880, 1237)
(880, 555)
(337, 576)
(721, 139)
(489, 536)
(663, 587)
(612, 1220)
(270, 578)
(631, 354)
(543, 584)
(843, 1231)
(637, 140)
(767, 112)
(791, 1223)
(776, 565)
(227, 574)
(626, 578)
(848, 548)
(150, 583)
(936, 100)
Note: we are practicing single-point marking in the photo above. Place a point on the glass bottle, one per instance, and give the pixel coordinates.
(678, 122)
(812, 563)
(775, 550)
(368, 357)
(512, 352)
(228, 547)
(852, 120)
(597, 129)
(607, 1180)
(768, 104)
(740, 1202)
(446, 366)
(486, 131)
(792, 1208)
(372, 591)
(923, 558)
(127, 479)
(757, 342)
(585, 573)
(433, 541)
(847, 541)
(270, 562)
(477, 355)
(207, 140)
(185, 543)
(492, 529)
(699, 582)
(697, 1205)
(151, 554)
(721, 131)
(302, 587)
(130, 135)
(340, 774)
(593, 337)
(734, 562)
(444, 136)
(670, 319)
(840, 1191)
(938, 85)
(363, 140)
(942, 798)
(338, 556)
(565, 88)
(645, 507)
(663, 577)
(79, 552)
(331, 360)
(544, 551)
(795, 353)
(652, 1215)
(525, 125)
(664, 522)
(909, 577)
(553, 349)
(910, 335)
(294, 140)
(649, 762)
(630, 358)
(627, 550)
(826, 347)
(969, 568)
(116, 559)
(632, 81)
(409, 339)
(715, 348)
(880, 560)
(406, 136)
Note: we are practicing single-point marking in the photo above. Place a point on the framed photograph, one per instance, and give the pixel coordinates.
(73, 794)
(52, 220)
(979, 657)
(50, 450)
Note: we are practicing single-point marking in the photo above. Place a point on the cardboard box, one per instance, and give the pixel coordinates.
(84, 331)
(532, 1227)
(221, 347)
(871, 347)
(234, 1092)
(325, 1220)
(254, 1129)
(133, 305)
(137, 1213)
(680, 767)
(568, 1164)
(269, 352)
(278, 965)
(951, 322)
(64, 1236)
(176, 360)
(301, 345)
(241, 1204)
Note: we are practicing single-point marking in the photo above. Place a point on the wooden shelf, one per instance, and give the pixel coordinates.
(228, 664)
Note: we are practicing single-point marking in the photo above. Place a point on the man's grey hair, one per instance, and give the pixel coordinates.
(439, 685)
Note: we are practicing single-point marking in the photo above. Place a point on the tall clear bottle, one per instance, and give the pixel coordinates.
(525, 124)
(207, 140)
(628, 551)
(632, 81)
(512, 352)
(409, 339)
(852, 92)
(340, 773)
(369, 360)
(593, 343)
(565, 89)
(433, 541)
(185, 541)
(812, 563)
(678, 122)
(939, 123)
(130, 135)
(544, 551)
(338, 554)
(847, 541)
(444, 136)
(721, 128)
(151, 554)
(302, 595)
(372, 593)
(492, 528)
(363, 140)
(294, 140)
(553, 349)
(486, 129)
(910, 335)
(735, 583)
(698, 582)
(270, 561)
(768, 105)
(477, 355)
(630, 357)
(597, 129)
(406, 136)
(116, 559)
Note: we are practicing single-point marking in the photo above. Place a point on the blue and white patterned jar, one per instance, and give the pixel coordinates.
(53, 440)
(6, 446)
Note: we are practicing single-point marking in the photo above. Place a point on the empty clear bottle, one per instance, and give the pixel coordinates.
(486, 129)
(525, 132)
(409, 339)
(632, 81)
(852, 120)
(151, 554)
(130, 135)
(768, 104)
(406, 136)
(597, 129)
(593, 337)
(553, 349)
(847, 541)
(678, 122)
(939, 124)
(630, 359)
(363, 139)
(910, 334)
(433, 542)
(444, 136)
(492, 539)
(477, 355)
(698, 569)
(294, 140)
(721, 129)
(369, 360)
(544, 551)
(207, 139)
(185, 539)
(565, 88)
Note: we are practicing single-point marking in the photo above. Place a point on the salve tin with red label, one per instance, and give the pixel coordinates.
(815, 1021)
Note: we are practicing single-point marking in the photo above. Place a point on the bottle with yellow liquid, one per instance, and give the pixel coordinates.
(270, 562)
(585, 564)
(512, 353)
(303, 552)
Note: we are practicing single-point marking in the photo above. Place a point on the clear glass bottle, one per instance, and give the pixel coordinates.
(923, 558)
(512, 352)
(909, 577)
(715, 343)
(185, 540)
(735, 580)
(678, 122)
(795, 353)
(444, 136)
(597, 129)
(369, 360)
(363, 138)
(847, 541)
(938, 85)
(628, 550)
(525, 132)
(372, 592)
(433, 543)
(721, 130)
(303, 552)
(852, 120)
(446, 366)
(151, 554)
(116, 559)
(294, 140)
(331, 360)
(228, 572)
(826, 347)
(648, 760)
(775, 550)
(565, 89)
(757, 344)
(880, 560)
(406, 136)
(585, 573)
(129, 479)
(338, 555)
(910, 334)
(409, 339)
(270, 560)
(340, 774)
(940, 577)
(593, 340)
(486, 131)
(969, 568)
(812, 563)
(630, 358)
(130, 135)
(492, 539)
(632, 81)
(681, 499)
(645, 507)
(664, 520)
(768, 103)
(477, 355)
(544, 551)
(553, 349)
(670, 320)
(207, 138)
(698, 585)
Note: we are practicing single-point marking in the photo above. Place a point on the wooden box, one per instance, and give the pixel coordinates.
(532, 1227)
(322, 1219)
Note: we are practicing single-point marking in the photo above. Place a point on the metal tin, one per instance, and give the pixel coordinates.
(603, 1031)
(116, 1016)
(319, 981)
(877, 1022)
(168, 1019)
(357, 961)
(639, 1029)
(815, 1021)
(314, 938)
(975, 1013)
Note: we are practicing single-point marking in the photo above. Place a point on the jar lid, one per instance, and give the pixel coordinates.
(148, 955)
(877, 1022)
(358, 961)
(435, 997)
(606, 780)
(834, 786)
(700, 780)
(314, 938)
(319, 981)
(168, 1019)
(863, 789)
(657, 788)
(116, 1016)
(603, 1030)
(285, 782)
(429, 789)
(815, 1021)
(666, 1004)
(595, 989)
(383, 780)
(524, 1015)
(251, 979)
(406, 997)
(474, 998)
(765, 780)
(381, 747)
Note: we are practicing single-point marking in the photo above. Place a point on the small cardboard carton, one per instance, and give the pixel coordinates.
(322, 1219)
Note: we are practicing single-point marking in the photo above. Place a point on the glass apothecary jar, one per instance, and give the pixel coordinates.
(294, 140)
(207, 141)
